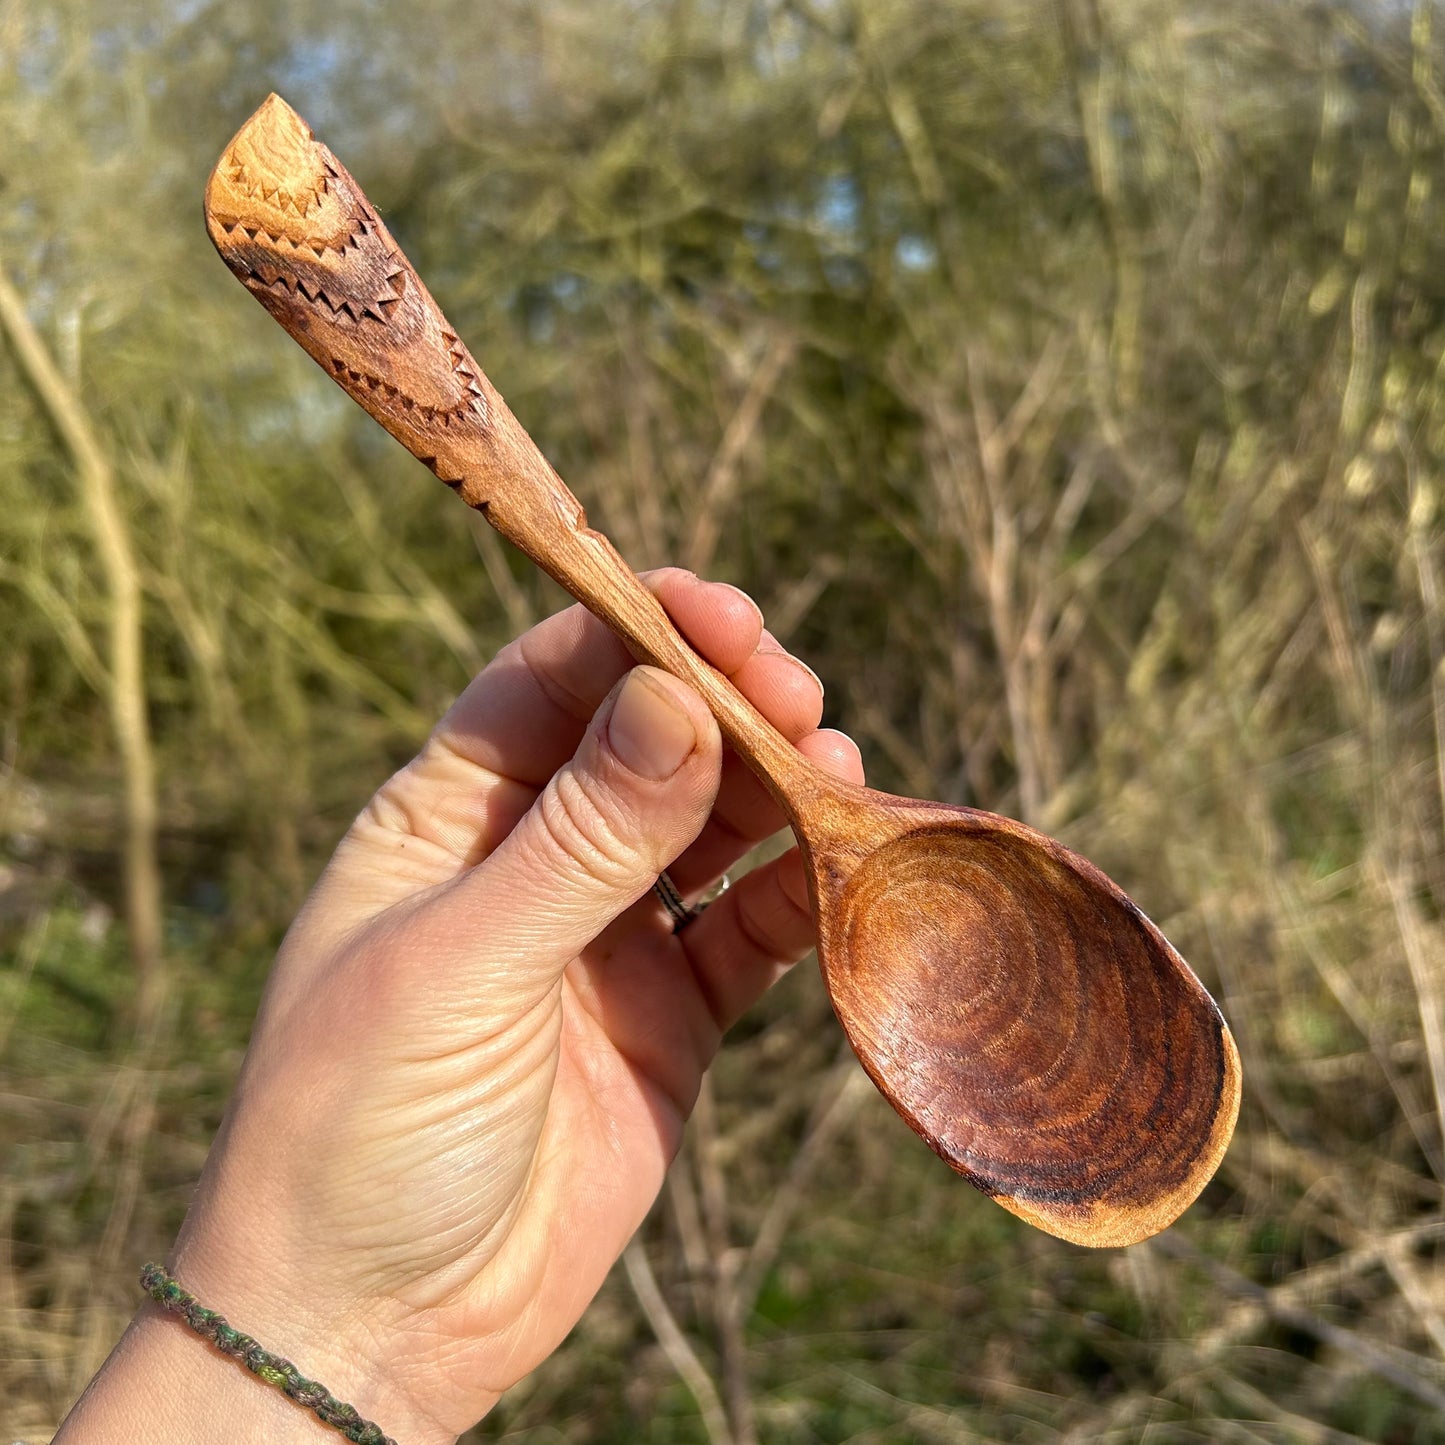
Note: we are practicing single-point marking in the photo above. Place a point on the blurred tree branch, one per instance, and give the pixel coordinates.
(124, 679)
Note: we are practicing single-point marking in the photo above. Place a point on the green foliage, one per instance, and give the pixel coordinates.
(1093, 353)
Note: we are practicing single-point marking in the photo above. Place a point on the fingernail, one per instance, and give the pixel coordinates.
(798, 662)
(648, 731)
(771, 647)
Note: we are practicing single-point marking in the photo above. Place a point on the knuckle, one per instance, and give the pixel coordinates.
(387, 811)
(585, 835)
(394, 807)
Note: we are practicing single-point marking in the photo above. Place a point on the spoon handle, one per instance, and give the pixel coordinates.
(298, 232)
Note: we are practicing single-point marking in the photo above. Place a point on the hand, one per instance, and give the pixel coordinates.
(482, 1037)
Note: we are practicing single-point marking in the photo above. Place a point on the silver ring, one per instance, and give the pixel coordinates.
(677, 906)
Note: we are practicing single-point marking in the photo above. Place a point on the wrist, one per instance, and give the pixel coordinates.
(162, 1384)
(359, 1356)
(166, 1383)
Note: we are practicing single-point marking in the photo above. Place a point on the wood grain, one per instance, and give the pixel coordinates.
(1038, 1031)
(1006, 996)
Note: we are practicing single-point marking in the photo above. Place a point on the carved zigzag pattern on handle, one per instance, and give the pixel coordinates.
(362, 221)
(464, 373)
(302, 199)
(377, 309)
(473, 401)
(253, 231)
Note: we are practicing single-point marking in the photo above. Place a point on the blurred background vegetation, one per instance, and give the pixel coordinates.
(1063, 379)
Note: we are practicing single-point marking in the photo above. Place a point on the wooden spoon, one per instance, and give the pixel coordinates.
(1007, 998)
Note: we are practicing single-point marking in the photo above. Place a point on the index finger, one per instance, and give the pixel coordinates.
(524, 716)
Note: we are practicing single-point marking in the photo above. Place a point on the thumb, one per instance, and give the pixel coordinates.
(637, 792)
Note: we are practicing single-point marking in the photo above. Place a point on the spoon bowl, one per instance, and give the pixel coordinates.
(1005, 996)
(1029, 1022)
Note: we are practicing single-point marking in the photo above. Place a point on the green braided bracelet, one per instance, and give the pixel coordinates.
(271, 1368)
